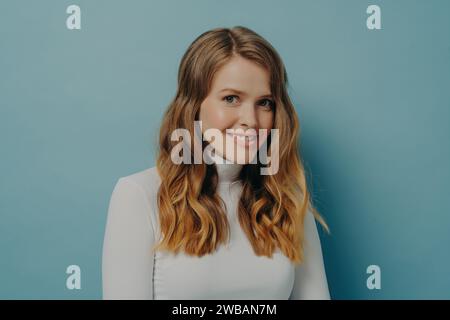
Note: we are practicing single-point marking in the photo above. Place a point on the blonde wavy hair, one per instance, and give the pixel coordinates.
(272, 208)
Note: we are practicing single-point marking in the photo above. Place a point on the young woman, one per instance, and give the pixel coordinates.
(218, 228)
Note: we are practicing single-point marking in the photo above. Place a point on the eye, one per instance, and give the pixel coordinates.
(268, 103)
(229, 99)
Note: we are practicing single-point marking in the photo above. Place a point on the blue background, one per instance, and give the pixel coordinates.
(81, 108)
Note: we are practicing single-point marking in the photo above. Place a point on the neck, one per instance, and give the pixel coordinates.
(227, 171)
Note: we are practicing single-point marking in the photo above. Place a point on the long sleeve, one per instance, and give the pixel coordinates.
(310, 278)
(127, 264)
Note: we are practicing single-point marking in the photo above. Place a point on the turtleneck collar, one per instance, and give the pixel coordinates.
(226, 169)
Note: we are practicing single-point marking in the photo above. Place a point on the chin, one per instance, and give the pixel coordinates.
(243, 156)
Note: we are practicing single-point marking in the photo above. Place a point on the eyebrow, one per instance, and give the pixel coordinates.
(243, 93)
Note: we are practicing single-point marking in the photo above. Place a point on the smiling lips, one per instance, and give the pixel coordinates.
(244, 140)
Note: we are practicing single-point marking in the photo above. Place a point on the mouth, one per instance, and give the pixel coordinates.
(244, 140)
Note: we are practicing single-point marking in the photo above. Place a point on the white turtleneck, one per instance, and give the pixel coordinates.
(131, 271)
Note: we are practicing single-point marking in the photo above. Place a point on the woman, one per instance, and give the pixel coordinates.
(218, 228)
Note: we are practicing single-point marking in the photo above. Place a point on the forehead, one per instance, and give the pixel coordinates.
(244, 75)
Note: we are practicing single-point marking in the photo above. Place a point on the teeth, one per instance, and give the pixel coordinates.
(244, 137)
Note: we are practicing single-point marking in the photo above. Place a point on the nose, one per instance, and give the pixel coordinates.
(247, 116)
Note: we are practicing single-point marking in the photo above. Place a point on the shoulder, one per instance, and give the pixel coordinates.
(139, 190)
(147, 180)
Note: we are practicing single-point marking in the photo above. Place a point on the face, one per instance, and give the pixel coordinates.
(239, 99)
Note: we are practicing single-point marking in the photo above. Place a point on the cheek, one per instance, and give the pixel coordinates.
(266, 119)
(213, 115)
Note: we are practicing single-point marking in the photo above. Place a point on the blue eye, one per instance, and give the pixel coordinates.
(228, 100)
(270, 104)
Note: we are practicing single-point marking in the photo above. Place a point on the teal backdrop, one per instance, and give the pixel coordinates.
(81, 108)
